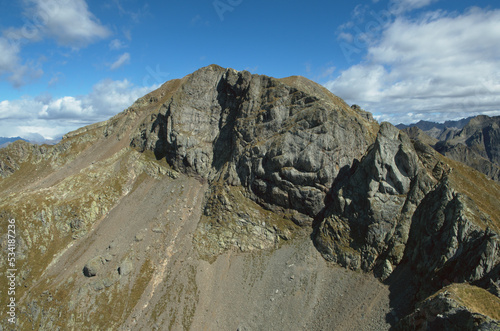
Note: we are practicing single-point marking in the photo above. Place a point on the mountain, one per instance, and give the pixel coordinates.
(33, 138)
(440, 131)
(6, 141)
(36, 138)
(482, 135)
(231, 201)
(475, 145)
(427, 125)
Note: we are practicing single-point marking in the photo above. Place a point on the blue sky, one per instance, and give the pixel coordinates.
(69, 63)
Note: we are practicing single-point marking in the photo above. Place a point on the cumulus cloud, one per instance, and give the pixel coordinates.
(65, 108)
(53, 117)
(70, 23)
(122, 60)
(439, 65)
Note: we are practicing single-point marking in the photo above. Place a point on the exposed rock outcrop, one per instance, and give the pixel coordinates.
(284, 140)
(448, 243)
(368, 223)
(457, 307)
(93, 266)
(482, 135)
(400, 205)
(468, 156)
(155, 205)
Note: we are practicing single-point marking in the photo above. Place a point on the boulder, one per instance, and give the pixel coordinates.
(93, 266)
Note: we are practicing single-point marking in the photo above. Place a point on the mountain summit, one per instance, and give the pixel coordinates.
(226, 200)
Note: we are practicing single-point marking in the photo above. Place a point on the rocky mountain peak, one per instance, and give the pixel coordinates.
(286, 139)
(205, 204)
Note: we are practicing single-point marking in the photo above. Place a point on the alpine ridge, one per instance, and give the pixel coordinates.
(475, 143)
(231, 201)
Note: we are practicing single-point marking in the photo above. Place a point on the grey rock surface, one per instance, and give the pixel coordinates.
(447, 244)
(368, 223)
(468, 156)
(125, 268)
(398, 205)
(284, 140)
(201, 202)
(446, 311)
(93, 267)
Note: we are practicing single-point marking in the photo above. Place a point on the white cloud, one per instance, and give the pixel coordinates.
(441, 65)
(65, 108)
(122, 60)
(109, 97)
(23, 74)
(69, 22)
(9, 57)
(18, 74)
(116, 44)
(54, 117)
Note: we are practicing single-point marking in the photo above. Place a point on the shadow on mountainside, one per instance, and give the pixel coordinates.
(402, 294)
(401, 284)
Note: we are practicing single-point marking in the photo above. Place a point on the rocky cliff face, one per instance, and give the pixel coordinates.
(214, 188)
(368, 223)
(285, 142)
(468, 156)
(402, 202)
(482, 134)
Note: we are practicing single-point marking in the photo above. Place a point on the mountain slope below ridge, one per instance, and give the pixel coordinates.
(254, 164)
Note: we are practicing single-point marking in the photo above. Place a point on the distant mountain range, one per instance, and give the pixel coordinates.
(426, 125)
(32, 138)
(473, 141)
(4, 142)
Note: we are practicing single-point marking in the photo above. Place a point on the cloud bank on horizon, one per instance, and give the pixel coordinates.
(50, 117)
(402, 60)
